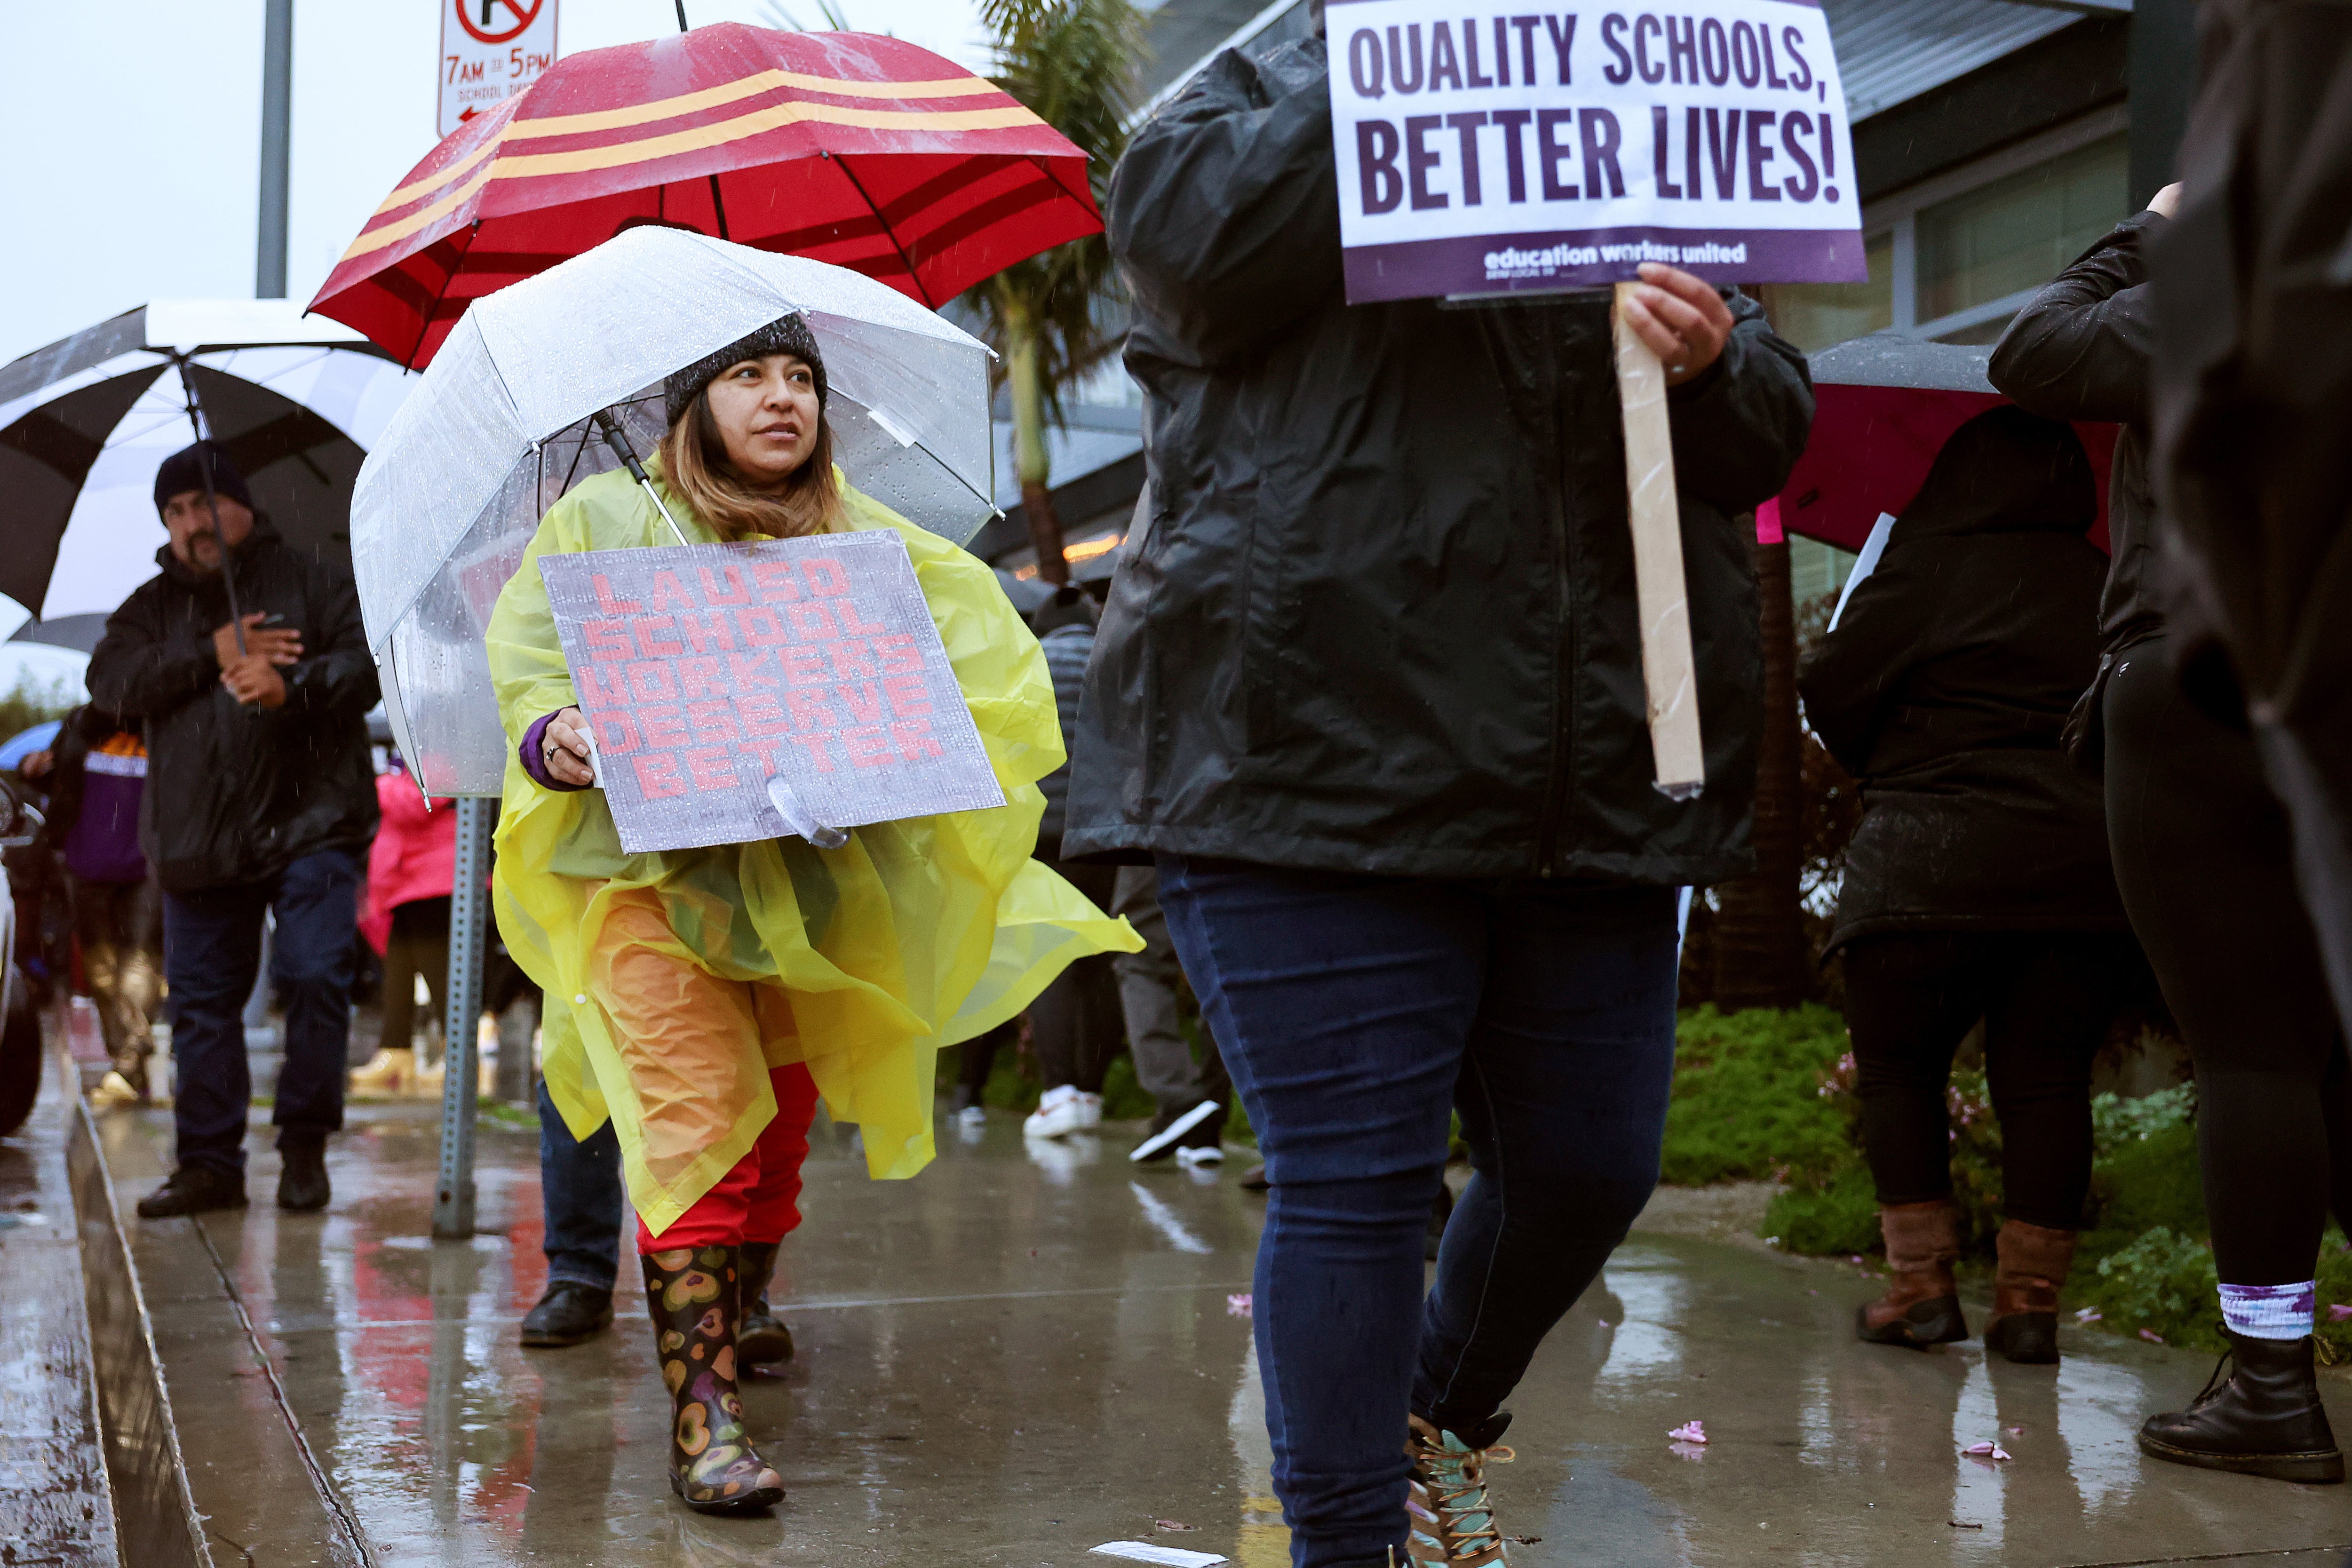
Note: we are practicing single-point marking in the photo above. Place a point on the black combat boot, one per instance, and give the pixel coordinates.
(2265, 1419)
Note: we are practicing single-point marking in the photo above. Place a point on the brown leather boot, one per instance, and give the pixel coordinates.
(2033, 1264)
(1922, 1305)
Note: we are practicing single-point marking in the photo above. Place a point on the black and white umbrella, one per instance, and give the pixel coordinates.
(85, 422)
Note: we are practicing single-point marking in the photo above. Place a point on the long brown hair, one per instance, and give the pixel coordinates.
(694, 461)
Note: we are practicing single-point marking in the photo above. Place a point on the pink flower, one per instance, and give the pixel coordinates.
(1689, 1432)
(2087, 1315)
(2338, 1310)
(1986, 1451)
(2151, 1336)
(1237, 1306)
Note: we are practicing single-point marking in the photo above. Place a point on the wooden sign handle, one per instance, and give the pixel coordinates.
(1668, 670)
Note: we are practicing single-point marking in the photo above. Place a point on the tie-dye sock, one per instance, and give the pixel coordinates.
(2269, 1311)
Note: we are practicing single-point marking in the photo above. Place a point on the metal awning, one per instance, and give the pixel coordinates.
(1890, 51)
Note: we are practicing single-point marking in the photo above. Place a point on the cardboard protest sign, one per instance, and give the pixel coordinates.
(710, 672)
(1486, 150)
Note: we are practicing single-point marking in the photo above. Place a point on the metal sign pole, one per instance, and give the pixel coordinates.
(461, 1014)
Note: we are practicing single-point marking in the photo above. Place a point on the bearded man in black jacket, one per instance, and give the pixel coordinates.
(1369, 692)
(260, 799)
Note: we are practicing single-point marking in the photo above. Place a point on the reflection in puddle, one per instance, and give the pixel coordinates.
(1263, 1540)
(1163, 1219)
(1977, 1483)
(1647, 1341)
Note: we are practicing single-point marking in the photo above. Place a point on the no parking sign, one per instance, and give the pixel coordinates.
(490, 51)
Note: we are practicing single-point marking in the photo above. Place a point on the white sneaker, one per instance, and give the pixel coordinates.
(1090, 1110)
(1207, 1154)
(1061, 1111)
(971, 1116)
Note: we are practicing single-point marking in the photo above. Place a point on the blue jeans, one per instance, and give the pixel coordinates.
(1354, 1012)
(579, 1188)
(212, 957)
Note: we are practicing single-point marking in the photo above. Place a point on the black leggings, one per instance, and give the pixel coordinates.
(2046, 999)
(2204, 859)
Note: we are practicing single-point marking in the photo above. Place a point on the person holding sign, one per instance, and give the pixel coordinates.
(703, 998)
(1368, 690)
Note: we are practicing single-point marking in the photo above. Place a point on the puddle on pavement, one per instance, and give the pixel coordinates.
(1028, 1351)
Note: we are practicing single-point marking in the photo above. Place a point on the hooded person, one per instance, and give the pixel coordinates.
(704, 999)
(259, 801)
(1977, 884)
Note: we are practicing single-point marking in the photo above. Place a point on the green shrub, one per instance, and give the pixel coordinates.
(1975, 1151)
(2162, 1283)
(1748, 1099)
(2116, 1122)
(2150, 1181)
(1839, 1216)
(2334, 1290)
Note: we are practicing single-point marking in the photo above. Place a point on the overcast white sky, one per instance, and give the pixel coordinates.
(133, 133)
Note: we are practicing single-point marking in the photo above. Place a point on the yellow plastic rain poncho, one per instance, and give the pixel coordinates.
(861, 962)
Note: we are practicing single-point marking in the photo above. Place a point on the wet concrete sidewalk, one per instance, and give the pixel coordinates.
(1022, 1354)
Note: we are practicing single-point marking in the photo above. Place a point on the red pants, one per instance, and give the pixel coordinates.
(759, 1199)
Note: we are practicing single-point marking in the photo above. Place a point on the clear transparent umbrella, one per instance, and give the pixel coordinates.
(500, 427)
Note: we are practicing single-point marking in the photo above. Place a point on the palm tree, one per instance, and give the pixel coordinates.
(1760, 953)
(1051, 318)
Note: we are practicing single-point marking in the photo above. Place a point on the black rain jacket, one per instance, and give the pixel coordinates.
(2080, 350)
(1946, 685)
(1381, 614)
(235, 794)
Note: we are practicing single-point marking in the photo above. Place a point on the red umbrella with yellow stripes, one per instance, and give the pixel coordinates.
(861, 151)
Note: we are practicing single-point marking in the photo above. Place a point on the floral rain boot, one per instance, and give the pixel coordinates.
(1445, 1496)
(1922, 1304)
(761, 1337)
(692, 1294)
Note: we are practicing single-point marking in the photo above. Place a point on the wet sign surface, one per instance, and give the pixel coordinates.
(1485, 150)
(709, 672)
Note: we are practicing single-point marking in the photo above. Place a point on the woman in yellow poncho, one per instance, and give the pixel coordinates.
(704, 998)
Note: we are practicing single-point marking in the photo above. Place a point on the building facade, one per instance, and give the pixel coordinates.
(1994, 141)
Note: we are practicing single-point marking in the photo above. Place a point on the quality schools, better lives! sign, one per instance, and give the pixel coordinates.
(1486, 150)
(704, 669)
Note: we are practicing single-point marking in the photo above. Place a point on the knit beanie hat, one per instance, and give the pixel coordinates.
(181, 474)
(784, 335)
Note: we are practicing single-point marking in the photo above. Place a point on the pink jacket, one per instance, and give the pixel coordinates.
(414, 857)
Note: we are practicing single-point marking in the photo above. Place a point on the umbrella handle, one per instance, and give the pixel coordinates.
(197, 420)
(618, 439)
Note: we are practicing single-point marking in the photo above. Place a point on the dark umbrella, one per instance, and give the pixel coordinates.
(62, 406)
(1883, 407)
